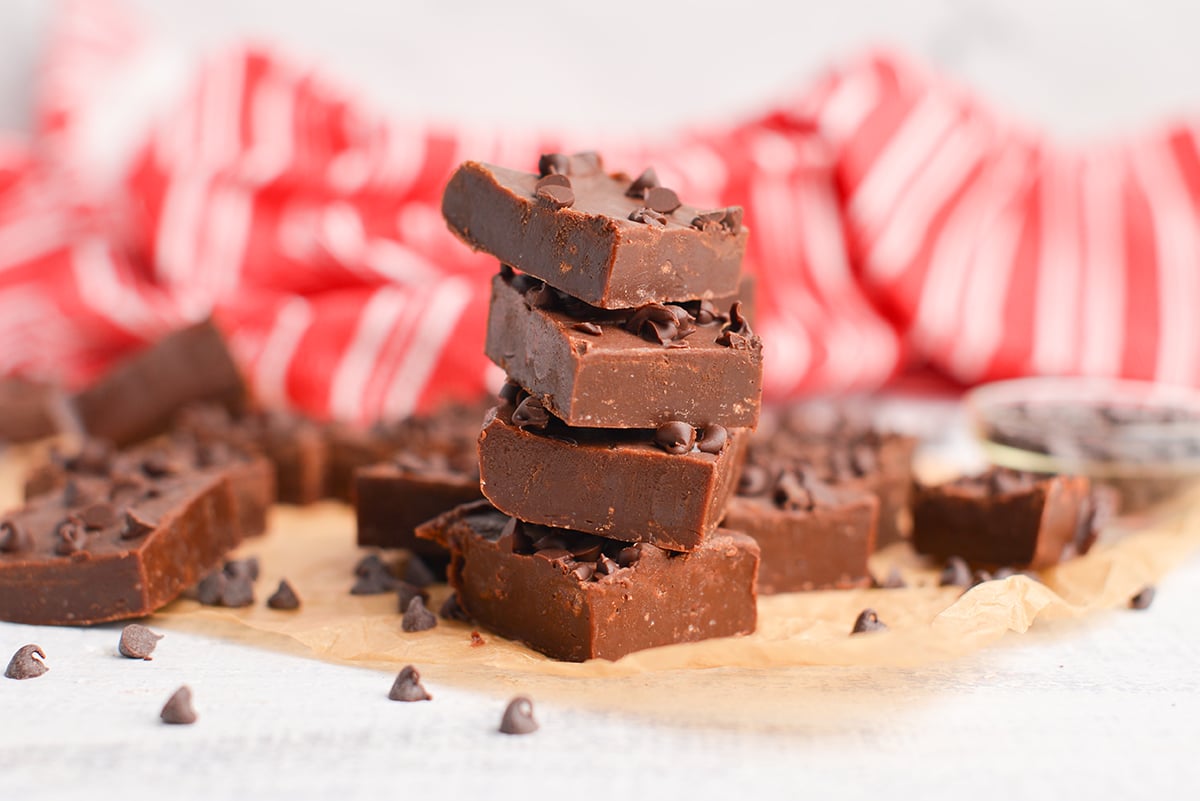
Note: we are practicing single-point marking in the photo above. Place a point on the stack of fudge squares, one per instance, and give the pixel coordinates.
(634, 383)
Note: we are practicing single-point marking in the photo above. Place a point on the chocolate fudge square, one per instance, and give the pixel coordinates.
(574, 596)
(596, 236)
(592, 368)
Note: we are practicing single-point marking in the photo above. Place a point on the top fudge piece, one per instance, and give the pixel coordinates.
(608, 240)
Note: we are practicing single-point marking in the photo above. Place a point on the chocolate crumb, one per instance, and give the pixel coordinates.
(1143, 599)
(138, 642)
(531, 414)
(284, 598)
(518, 717)
(179, 710)
(661, 199)
(417, 617)
(477, 640)
(406, 592)
(14, 537)
(135, 525)
(649, 217)
(868, 621)
(956, 573)
(713, 439)
(408, 687)
(417, 573)
(551, 163)
(26, 663)
(675, 437)
(557, 197)
(588, 328)
(647, 180)
(452, 610)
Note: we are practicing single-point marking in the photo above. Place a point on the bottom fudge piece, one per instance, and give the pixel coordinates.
(812, 536)
(1004, 517)
(575, 596)
(393, 498)
(111, 549)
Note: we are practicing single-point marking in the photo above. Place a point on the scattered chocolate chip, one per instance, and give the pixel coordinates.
(284, 598)
(647, 180)
(72, 536)
(706, 313)
(138, 642)
(408, 687)
(127, 489)
(584, 571)
(211, 588)
(237, 592)
(452, 610)
(868, 621)
(553, 179)
(540, 296)
(417, 617)
(557, 197)
(956, 573)
(894, 581)
(551, 163)
(477, 639)
(736, 333)
(75, 494)
(606, 566)
(417, 573)
(406, 592)
(550, 542)
(373, 577)
(585, 162)
(629, 556)
(243, 567)
(511, 392)
(135, 525)
(588, 328)
(586, 551)
(94, 458)
(179, 710)
(709, 220)
(649, 217)
(26, 663)
(661, 199)
(531, 414)
(14, 537)
(712, 439)
(755, 480)
(518, 717)
(211, 454)
(99, 515)
(791, 492)
(661, 323)
(675, 437)
(733, 219)
(1143, 599)
(158, 465)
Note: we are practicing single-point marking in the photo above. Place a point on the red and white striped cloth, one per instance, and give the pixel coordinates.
(895, 221)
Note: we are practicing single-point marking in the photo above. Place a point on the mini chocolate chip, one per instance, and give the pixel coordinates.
(551, 163)
(135, 525)
(71, 536)
(1143, 599)
(606, 566)
(588, 328)
(417, 573)
(709, 220)
(27, 663)
(755, 480)
(158, 465)
(406, 592)
(98, 516)
(894, 580)
(649, 217)
(408, 687)
(518, 717)
(417, 617)
(628, 556)
(452, 610)
(661, 199)
(477, 639)
(511, 392)
(586, 552)
(373, 577)
(557, 197)
(979, 577)
(868, 621)
(791, 493)
(675, 437)
(213, 454)
(14, 537)
(138, 642)
(736, 333)
(661, 323)
(179, 710)
(127, 489)
(555, 555)
(237, 592)
(243, 567)
(706, 314)
(94, 458)
(74, 494)
(956, 573)
(732, 221)
(647, 180)
(584, 571)
(553, 179)
(713, 439)
(284, 598)
(211, 588)
(585, 162)
(540, 296)
(531, 414)
(864, 459)
(548, 542)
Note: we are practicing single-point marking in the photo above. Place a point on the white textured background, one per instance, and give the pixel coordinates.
(1106, 709)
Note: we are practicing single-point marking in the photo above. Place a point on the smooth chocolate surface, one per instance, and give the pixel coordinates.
(1006, 518)
(590, 248)
(590, 370)
(101, 549)
(614, 483)
(812, 536)
(574, 596)
(140, 397)
(393, 498)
